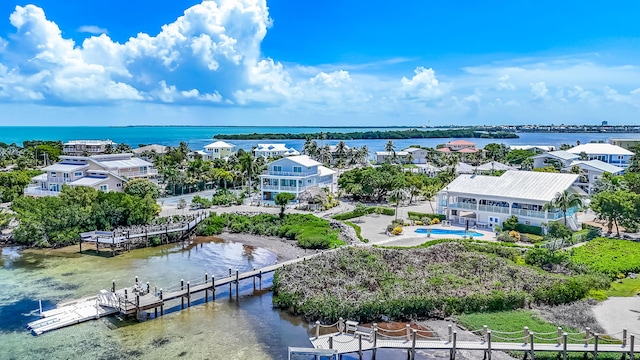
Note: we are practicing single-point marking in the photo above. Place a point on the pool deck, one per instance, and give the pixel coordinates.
(409, 237)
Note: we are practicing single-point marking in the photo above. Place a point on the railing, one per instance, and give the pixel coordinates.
(528, 213)
(31, 191)
(282, 188)
(289, 173)
(493, 208)
(60, 180)
(459, 205)
(138, 173)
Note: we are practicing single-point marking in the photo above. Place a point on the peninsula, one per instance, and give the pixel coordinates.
(487, 133)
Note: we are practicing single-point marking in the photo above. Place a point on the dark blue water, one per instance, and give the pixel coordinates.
(198, 137)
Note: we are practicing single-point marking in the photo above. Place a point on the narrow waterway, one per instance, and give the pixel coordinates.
(226, 329)
(229, 328)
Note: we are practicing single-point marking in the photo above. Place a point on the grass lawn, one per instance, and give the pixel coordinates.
(512, 321)
(626, 287)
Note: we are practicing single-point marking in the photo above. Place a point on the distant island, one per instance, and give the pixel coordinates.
(491, 133)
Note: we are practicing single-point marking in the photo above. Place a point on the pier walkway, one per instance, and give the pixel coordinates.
(133, 300)
(122, 239)
(352, 338)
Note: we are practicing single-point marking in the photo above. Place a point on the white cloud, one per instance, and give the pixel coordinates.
(504, 83)
(92, 29)
(423, 85)
(539, 90)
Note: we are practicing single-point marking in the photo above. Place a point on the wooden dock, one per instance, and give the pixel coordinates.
(359, 341)
(123, 239)
(140, 297)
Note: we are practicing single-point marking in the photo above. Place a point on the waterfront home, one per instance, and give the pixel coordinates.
(611, 154)
(218, 150)
(418, 155)
(536, 149)
(559, 159)
(143, 151)
(625, 143)
(86, 147)
(294, 174)
(102, 172)
(590, 172)
(274, 150)
(493, 166)
(462, 146)
(486, 201)
(391, 157)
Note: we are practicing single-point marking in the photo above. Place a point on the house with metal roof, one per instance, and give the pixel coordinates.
(486, 201)
(559, 159)
(102, 172)
(294, 174)
(590, 172)
(86, 147)
(274, 150)
(218, 150)
(608, 153)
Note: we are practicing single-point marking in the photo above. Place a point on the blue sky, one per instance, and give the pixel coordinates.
(282, 62)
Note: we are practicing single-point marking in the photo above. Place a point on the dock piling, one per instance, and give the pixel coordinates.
(206, 291)
(624, 337)
(632, 340)
(564, 346)
(182, 289)
(408, 328)
(413, 344)
(489, 345)
(454, 342)
(40, 303)
(237, 281)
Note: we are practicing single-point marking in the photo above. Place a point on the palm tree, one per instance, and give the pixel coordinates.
(363, 154)
(563, 201)
(429, 192)
(396, 196)
(391, 148)
(248, 167)
(341, 150)
(527, 164)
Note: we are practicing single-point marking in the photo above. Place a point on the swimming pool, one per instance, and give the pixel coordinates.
(447, 232)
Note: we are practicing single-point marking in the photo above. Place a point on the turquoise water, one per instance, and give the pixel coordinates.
(197, 137)
(447, 232)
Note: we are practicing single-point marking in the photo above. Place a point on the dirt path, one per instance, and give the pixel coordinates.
(618, 313)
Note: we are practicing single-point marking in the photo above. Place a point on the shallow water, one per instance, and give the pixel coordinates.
(229, 328)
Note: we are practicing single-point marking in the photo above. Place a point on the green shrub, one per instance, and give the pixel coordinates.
(609, 256)
(510, 224)
(413, 215)
(541, 256)
(370, 210)
(309, 231)
(358, 231)
(528, 229)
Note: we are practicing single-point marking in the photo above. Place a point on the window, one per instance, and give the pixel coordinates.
(77, 174)
(53, 174)
(65, 175)
(119, 185)
(297, 169)
(215, 150)
(277, 168)
(104, 187)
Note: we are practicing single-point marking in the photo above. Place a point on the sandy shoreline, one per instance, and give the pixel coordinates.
(284, 249)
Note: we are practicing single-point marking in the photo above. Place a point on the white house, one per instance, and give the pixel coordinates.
(274, 150)
(611, 154)
(493, 166)
(419, 155)
(102, 172)
(537, 149)
(591, 171)
(564, 158)
(490, 200)
(218, 150)
(388, 156)
(294, 174)
(86, 147)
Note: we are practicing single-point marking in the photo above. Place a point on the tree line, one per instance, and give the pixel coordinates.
(376, 135)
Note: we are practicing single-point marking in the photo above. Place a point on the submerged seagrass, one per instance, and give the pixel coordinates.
(444, 279)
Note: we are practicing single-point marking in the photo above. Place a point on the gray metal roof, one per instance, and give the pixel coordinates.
(598, 165)
(494, 165)
(527, 185)
(89, 181)
(65, 167)
(560, 154)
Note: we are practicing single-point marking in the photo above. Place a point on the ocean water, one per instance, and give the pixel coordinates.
(198, 137)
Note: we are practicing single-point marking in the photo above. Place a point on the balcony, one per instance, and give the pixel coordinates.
(282, 188)
(528, 213)
(36, 191)
(59, 180)
(289, 173)
(458, 205)
(133, 174)
(493, 208)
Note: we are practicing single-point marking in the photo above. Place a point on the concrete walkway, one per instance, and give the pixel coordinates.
(618, 313)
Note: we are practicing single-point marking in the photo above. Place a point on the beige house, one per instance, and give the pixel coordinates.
(101, 172)
(218, 150)
(83, 147)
